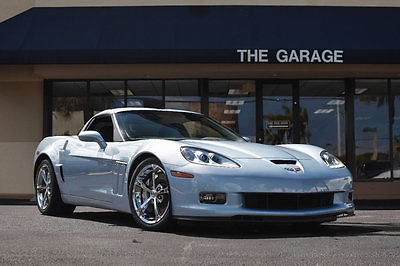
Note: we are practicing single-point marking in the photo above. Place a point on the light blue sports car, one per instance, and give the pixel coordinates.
(161, 165)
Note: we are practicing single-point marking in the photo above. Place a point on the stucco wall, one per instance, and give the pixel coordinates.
(21, 120)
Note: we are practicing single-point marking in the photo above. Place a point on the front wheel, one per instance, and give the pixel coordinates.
(149, 195)
(48, 196)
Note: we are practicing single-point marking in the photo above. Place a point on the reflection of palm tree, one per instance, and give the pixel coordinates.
(279, 136)
(305, 129)
(380, 100)
(375, 141)
(65, 106)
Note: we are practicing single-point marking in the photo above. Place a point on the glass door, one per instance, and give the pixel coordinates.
(277, 112)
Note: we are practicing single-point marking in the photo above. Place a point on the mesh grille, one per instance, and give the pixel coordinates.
(288, 201)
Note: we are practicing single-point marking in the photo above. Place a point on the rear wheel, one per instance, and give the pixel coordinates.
(48, 196)
(149, 195)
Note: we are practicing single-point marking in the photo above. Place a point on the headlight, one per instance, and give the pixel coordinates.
(195, 155)
(330, 160)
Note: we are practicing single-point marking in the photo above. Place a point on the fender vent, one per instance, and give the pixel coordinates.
(283, 161)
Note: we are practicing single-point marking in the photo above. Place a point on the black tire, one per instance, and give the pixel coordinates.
(53, 205)
(162, 179)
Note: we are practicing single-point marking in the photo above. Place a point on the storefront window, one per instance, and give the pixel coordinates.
(232, 102)
(145, 93)
(106, 95)
(68, 107)
(396, 127)
(322, 115)
(372, 130)
(277, 113)
(183, 95)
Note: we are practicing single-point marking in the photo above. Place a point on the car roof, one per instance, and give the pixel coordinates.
(127, 109)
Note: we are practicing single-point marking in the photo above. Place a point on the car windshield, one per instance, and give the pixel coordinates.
(149, 124)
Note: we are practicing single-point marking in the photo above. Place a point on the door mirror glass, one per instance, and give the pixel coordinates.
(247, 139)
(92, 136)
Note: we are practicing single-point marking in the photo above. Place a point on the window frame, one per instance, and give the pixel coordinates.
(116, 133)
(203, 84)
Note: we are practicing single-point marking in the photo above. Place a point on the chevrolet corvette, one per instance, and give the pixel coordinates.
(160, 165)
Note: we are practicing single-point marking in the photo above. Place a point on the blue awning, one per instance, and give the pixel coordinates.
(180, 34)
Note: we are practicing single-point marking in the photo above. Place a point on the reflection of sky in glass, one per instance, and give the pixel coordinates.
(369, 114)
(246, 117)
(323, 126)
(396, 135)
(273, 105)
(182, 98)
(396, 124)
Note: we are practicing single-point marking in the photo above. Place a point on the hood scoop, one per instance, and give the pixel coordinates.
(291, 166)
(284, 161)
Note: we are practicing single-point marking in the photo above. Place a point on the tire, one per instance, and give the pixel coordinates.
(149, 196)
(48, 197)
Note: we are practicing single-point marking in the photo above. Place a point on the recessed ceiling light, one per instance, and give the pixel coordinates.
(228, 122)
(117, 92)
(360, 90)
(232, 111)
(335, 102)
(234, 102)
(323, 111)
(121, 92)
(237, 92)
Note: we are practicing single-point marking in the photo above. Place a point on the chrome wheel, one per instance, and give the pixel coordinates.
(150, 194)
(43, 187)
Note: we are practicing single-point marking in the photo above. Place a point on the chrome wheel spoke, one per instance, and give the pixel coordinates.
(45, 198)
(153, 176)
(143, 185)
(44, 177)
(144, 206)
(163, 191)
(156, 214)
(40, 189)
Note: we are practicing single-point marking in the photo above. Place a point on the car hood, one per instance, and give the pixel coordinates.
(246, 150)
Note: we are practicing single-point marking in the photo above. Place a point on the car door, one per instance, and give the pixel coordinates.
(88, 169)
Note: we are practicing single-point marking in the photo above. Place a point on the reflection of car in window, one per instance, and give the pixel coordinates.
(379, 169)
(161, 165)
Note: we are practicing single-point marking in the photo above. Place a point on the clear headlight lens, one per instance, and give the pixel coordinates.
(330, 160)
(195, 155)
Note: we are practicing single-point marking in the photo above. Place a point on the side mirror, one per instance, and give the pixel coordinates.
(247, 139)
(92, 136)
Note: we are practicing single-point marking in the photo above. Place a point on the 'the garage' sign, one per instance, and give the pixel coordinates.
(290, 56)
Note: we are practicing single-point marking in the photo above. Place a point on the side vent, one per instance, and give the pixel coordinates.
(283, 161)
(60, 166)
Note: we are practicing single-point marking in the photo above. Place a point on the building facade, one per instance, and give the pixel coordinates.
(325, 73)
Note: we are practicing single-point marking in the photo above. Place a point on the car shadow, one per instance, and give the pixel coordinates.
(246, 230)
(111, 218)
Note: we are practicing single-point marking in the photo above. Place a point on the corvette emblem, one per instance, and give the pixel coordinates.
(293, 169)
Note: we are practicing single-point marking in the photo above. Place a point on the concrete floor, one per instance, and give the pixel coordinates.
(94, 236)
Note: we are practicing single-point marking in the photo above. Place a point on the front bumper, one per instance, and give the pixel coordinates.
(269, 219)
(238, 212)
(252, 177)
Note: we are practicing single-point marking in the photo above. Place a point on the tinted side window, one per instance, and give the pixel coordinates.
(104, 126)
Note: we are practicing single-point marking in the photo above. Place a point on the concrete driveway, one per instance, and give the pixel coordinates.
(94, 236)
